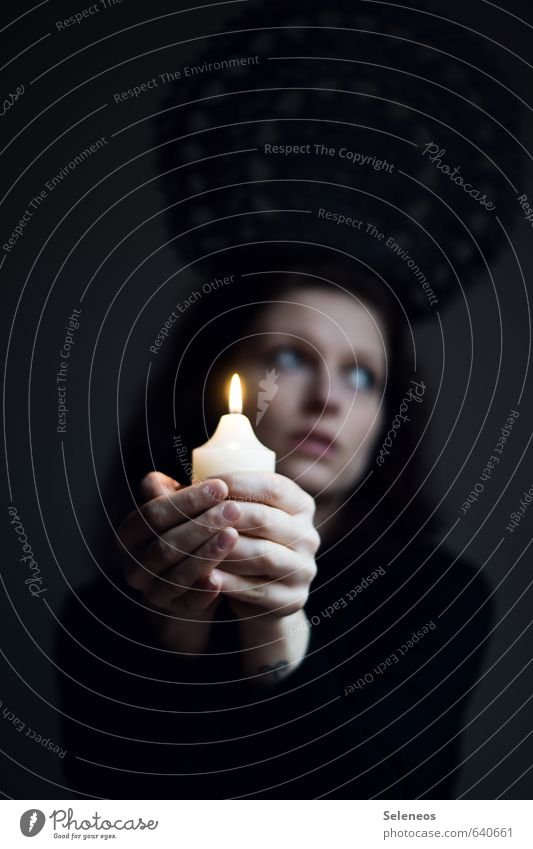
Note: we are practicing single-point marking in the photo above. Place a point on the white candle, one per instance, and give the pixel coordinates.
(234, 447)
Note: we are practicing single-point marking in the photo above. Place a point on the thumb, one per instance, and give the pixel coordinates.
(204, 594)
(156, 483)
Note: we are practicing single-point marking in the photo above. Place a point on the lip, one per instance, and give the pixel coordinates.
(314, 443)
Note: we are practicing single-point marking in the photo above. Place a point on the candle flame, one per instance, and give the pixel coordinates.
(235, 395)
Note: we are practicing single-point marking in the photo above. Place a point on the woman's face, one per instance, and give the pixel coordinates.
(314, 370)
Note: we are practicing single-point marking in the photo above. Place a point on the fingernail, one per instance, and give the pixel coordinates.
(224, 540)
(231, 512)
(215, 488)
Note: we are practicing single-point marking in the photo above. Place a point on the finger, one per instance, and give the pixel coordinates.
(164, 512)
(268, 488)
(258, 557)
(181, 578)
(156, 483)
(202, 595)
(200, 601)
(272, 596)
(262, 520)
(169, 549)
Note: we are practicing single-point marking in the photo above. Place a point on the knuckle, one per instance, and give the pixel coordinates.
(153, 513)
(259, 590)
(269, 554)
(163, 552)
(307, 540)
(306, 502)
(310, 572)
(314, 540)
(256, 517)
(160, 600)
(137, 579)
(294, 606)
(276, 487)
(309, 503)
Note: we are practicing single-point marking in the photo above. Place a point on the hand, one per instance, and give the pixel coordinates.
(270, 569)
(172, 546)
(272, 564)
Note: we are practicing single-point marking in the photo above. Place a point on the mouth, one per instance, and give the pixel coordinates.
(316, 444)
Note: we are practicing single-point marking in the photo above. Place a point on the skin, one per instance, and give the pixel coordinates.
(253, 536)
(328, 350)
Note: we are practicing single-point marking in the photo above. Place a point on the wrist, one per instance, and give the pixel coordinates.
(269, 628)
(273, 647)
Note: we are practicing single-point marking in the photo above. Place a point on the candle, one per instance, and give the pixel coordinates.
(234, 447)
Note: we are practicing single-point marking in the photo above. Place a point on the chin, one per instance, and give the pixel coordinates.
(314, 479)
(321, 478)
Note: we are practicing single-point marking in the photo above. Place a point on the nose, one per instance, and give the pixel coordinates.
(323, 391)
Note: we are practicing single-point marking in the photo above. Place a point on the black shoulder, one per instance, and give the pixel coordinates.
(466, 586)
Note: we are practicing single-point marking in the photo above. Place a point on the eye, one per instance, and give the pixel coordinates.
(286, 357)
(362, 379)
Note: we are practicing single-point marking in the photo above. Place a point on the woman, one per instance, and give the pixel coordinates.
(301, 634)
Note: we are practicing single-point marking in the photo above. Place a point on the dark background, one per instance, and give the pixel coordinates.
(103, 228)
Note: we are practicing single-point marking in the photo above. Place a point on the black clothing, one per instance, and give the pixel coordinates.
(371, 711)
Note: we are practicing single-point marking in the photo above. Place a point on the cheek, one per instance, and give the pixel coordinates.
(291, 389)
(360, 435)
(363, 423)
(278, 408)
(288, 396)
(279, 416)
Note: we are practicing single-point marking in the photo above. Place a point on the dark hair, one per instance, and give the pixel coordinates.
(184, 401)
(228, 208)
